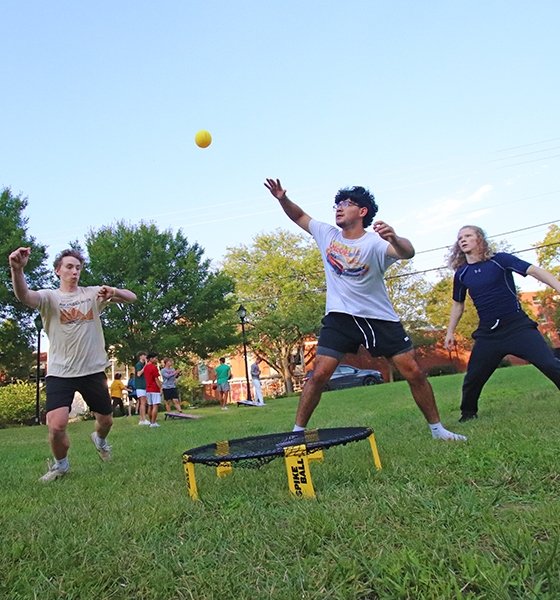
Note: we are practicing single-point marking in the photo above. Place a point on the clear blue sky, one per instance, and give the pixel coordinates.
(446, 110)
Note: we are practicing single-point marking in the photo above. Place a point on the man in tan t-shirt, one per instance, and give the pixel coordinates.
(77, 357)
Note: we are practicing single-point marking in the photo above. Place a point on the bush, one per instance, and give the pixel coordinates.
(190, 389)
(17, 404)
(445, 369)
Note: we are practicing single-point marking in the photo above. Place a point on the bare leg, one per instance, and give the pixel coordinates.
(57, 421)
(142, 407)
(177, 405)
(103, 424)
(311, 394)
(423, 395)
(420, 387)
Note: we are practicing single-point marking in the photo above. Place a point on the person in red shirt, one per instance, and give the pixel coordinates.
(153, 388)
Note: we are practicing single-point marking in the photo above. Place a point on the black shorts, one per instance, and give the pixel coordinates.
(93, 388)
(170, 394)
(343, 334)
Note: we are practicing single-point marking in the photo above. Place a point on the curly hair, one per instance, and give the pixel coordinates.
(363, 198)
(456, 257)
(69, 252)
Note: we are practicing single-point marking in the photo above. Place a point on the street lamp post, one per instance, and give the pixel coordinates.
(242, 313)
(38, 326)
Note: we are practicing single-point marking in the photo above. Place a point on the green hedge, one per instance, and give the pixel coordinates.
(17, 404)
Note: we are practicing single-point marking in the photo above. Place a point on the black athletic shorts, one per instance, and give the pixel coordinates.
(170, 393)
(343, 334)
(93, 388)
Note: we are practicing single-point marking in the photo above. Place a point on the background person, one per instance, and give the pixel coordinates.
(169, 385)
(504, 328)
(358, 311)
(256, 379)
(77, 359)
(140, 382)
(116, 390)
(153, 388)
(131, 392)
(223, 375)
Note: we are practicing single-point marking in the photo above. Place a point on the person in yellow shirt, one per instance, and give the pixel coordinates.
(116, 391)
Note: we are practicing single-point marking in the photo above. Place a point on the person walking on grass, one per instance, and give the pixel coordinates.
(169, 385)
(153, 388)
(358, 309)
(223, 375)
(77, 359)
(504, 328)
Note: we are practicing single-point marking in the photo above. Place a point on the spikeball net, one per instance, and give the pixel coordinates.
(297, 448)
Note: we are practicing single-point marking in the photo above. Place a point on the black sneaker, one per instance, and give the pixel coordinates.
(467, 416)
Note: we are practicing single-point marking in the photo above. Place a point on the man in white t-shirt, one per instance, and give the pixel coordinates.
(358, 310)
(77, 359)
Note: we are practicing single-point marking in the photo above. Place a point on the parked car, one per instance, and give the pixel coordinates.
(345, 376)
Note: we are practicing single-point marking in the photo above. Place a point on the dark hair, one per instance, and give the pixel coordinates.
(69, 252)
(141, 353)
(152, 355)
(222, 360)
(118, 375)
(363, 198)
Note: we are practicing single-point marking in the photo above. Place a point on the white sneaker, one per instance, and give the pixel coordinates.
(104, 451)
(144, 422)
(448, 436)
(154, 424)
(53, 473)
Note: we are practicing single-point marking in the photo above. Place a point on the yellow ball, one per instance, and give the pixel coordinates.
(203, 139)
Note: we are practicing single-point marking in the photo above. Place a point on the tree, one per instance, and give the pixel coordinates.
(548, 254)
(183, 307)
(407, 291)
(438, 308)
(280, 280)
(17, 330)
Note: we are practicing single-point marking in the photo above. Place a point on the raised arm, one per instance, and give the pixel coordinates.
(294, 212)
(18, 260)
(457, 309)
(399, 247)
(544, 276)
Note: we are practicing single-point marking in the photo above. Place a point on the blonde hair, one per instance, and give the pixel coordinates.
(456, 257)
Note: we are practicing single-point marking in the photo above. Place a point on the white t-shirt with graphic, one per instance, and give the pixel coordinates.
(72, 324)
(355, 271)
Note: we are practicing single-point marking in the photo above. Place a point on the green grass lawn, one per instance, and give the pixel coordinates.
(441, 520)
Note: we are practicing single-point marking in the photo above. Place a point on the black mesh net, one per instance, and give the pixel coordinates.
(253, 452)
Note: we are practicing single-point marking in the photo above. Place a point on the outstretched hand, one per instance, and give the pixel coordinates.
(18, 258)
(275, 188)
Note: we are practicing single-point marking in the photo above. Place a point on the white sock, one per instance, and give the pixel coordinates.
(298, 428)
(62, 464)
(440, 433)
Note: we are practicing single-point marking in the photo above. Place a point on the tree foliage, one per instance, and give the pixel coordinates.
(438, 308)
(548, 255)
(280, 280)
(17, 330)
(184, 307)
(407, 291)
